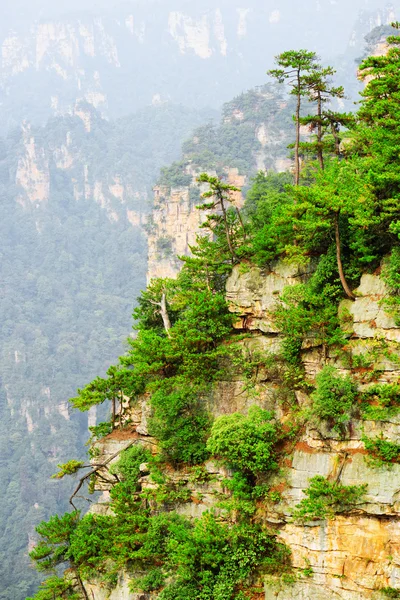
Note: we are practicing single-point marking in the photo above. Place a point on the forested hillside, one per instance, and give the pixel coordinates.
(254, 417)
(73, 260)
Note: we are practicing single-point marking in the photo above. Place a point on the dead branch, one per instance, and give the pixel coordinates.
(94, 471)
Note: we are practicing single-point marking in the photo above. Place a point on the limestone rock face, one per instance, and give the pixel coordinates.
(351, 556)
(253, 294)
(368, 312)
(176, 222)
(120, 592)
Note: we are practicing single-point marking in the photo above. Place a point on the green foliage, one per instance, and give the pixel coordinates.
(391, 276)
(57, 588)
(180, 367)
(334, 398)
(218, 199)
(390, 592)
(325, 499)
(54, 546)
(69, 468)
(153, 580)
(174, 176)
(309, 311)
(129, 462)
(246, 443)
(381, 451)
(380, 402)
(211, 560)
(180, 422)
(101, 430)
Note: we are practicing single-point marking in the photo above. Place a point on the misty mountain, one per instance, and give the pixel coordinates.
(120, 57)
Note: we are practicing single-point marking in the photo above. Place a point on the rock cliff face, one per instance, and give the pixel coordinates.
(350, 556)
(175, 223)
(253, 136)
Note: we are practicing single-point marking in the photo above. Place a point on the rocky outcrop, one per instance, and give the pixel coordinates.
(253, 293)
(175, 223)
(350, 557)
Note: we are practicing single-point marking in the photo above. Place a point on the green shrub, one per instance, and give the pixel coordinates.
(129, 462)
(390, 592)
(325, 499)
(381, 451)
(246, 443)
(154, 580)
(334, 398)
(386, 402)
(101, 430)
(180, 422)
(391, 276)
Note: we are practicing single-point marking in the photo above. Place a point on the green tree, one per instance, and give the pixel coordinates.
(320, 91)
(54, 549)
(220, 194)
(377, 135)
(102, 389)
(293, 66)
(340, 194)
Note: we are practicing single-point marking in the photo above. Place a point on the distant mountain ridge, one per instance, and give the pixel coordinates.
(130, 55)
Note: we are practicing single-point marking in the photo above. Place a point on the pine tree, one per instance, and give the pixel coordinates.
(294, 66)
(221, 197)
(377, 136)
(320, 91)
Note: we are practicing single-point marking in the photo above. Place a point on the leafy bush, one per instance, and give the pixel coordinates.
(211, 560)
(391, 276)
(325, 499)
(334, 398)
(390, 592)
(129, 462)
(180, 422)
(381, 451)
(381, 402)
(246, 443)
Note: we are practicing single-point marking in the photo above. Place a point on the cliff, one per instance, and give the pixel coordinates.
(257, 431)
(252, 136)
(349, 556)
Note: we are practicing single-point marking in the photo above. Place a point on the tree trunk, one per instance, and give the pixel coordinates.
(228, 235)
(297, 143)
(121, 408)
(241, 222)
(319, 133)
(346, 288)
(336, 138)
(113, 412)
(80, 584)
(164, 314)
